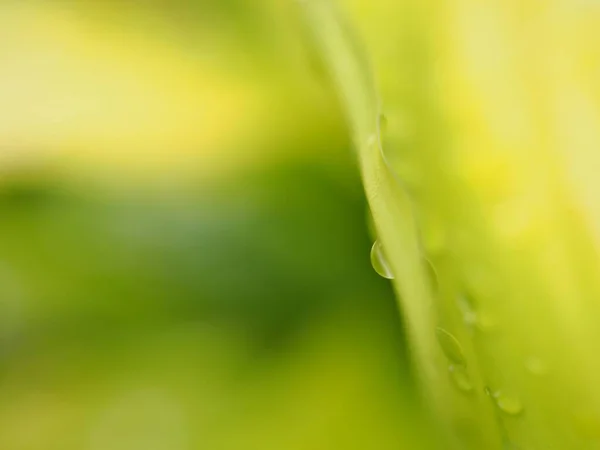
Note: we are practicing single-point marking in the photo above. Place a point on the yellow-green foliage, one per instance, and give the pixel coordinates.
(477, 127)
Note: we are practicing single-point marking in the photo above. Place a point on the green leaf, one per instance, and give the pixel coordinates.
(481, 172)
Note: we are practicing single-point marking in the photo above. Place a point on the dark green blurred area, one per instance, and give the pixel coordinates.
(242, 307)
(240, 314)
(268, 252)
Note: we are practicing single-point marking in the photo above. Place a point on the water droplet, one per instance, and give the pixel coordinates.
(460, 378)
(471, 316)
(379, 262)
(536, 366)
(465, 304)
(508, 404)
(451, 347)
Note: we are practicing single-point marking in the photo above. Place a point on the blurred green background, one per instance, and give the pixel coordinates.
(185, 255)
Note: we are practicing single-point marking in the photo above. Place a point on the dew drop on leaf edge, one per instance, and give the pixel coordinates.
(509, 405)
(451, 347)
(472, 317)
(379, 262)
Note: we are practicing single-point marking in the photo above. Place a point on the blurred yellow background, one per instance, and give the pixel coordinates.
(184, 255)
